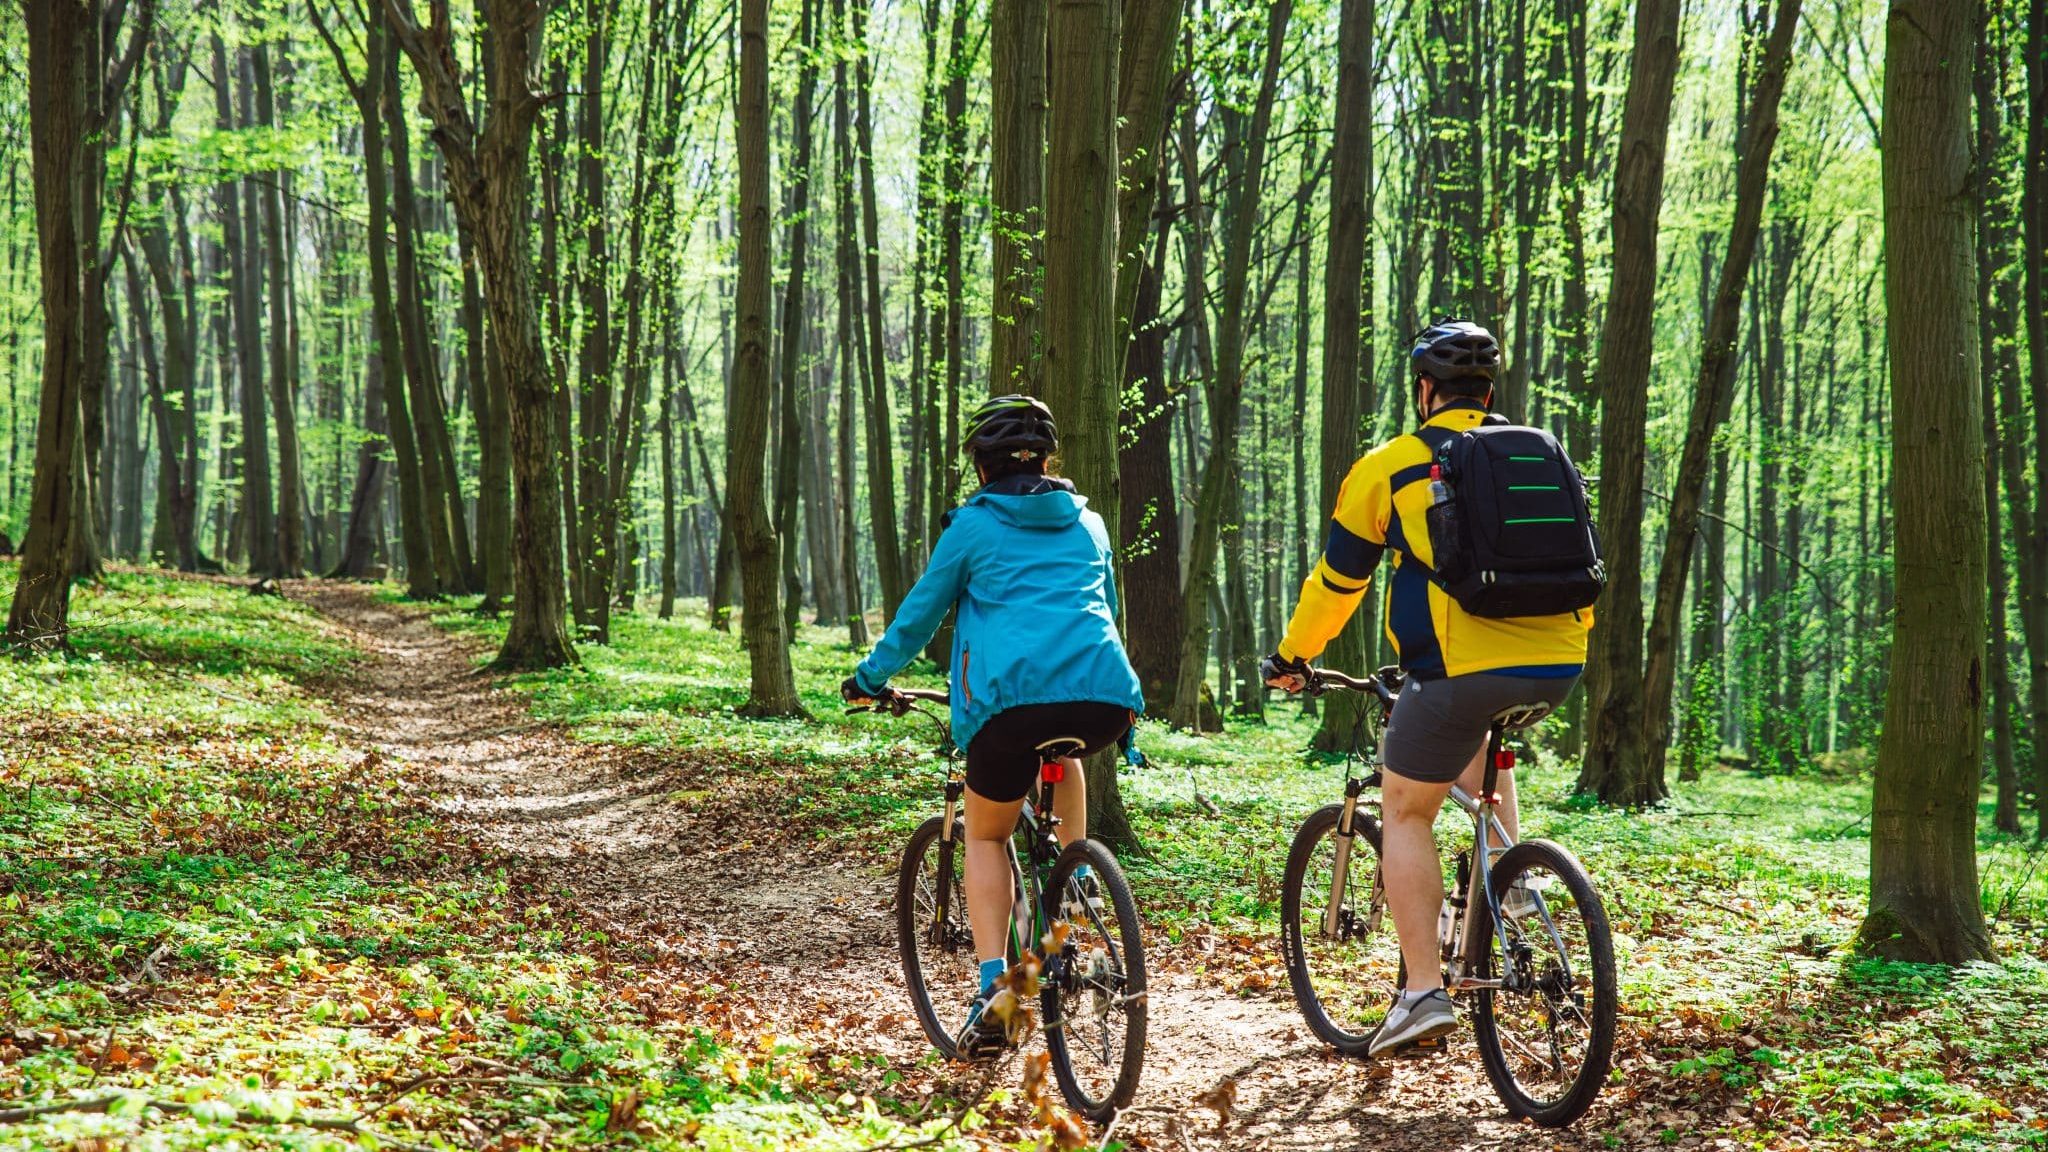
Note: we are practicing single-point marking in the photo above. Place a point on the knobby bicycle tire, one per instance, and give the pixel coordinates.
(1125, 986)
(1600, 981)
(1330, 1026)
(910, 925)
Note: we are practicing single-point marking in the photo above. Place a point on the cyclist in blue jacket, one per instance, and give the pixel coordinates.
(1036, 654)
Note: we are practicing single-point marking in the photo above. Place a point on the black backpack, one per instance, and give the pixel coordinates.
(1508, 522)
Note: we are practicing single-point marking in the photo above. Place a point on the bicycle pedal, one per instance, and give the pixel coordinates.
(1423, 1049)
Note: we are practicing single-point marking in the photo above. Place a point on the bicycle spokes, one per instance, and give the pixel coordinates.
(1544, 1009)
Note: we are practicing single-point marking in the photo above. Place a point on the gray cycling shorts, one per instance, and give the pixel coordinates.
(1438, 726)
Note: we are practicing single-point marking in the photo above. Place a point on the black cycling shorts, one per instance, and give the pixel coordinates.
(1003, 759)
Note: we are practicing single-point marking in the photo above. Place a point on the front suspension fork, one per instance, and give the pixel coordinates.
(1333, 910)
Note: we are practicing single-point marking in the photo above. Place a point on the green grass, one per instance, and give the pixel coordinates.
(1734, 905)
(225, 925)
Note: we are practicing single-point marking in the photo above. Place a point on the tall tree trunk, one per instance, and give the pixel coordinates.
(1240, 218)
(386, 415)
(1082, 382)
(1924, 902)
(1151, 506)
(1617, 766)
(1575, 331)
(2034, 186)
(1714, 389)
(440, 490)
(1347, 382)
(594, 416)
(1016, 183)
(291, 517)
(1994, 263)
(1144, 83)
(487, 169)
(60, 42)
(790, 442)
(177, 480)
(881, 427)
(773, 688)
(238, 222)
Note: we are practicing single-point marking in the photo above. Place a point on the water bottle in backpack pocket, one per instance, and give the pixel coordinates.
(1510, 531)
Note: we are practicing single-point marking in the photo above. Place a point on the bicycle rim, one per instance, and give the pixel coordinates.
(939, 964)
(1546, 1037)
(1093, 994)
(1342, 967)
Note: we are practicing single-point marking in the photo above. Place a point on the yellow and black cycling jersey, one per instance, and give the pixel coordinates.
(1382, 507)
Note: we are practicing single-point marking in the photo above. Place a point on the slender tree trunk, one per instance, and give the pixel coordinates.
(1241, 218)
(1575, 331)
(2034, 208)
(598, 553)
(1714, 390)
(1151, 507)
(1347, 382)
(790, 442)
(291, 517)
(1144, 91)
(1617, 765)
(440, 491)
(773, 690)
(1924, 902)
(488, 175)
(1994, 262)
(176, 478)
(259, 530)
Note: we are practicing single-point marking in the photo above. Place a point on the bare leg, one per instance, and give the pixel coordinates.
(989, 884)
(1070, 804)
(1414, 873)
(1510, 810)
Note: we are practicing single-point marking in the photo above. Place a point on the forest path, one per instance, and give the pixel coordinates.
(690, 862)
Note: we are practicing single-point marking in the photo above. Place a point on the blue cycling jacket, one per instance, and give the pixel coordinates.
(1031, 571)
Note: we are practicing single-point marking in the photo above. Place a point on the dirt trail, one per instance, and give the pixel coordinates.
(646, 848)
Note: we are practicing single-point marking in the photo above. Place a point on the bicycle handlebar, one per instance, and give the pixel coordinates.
(1385, 683)
(897, 701)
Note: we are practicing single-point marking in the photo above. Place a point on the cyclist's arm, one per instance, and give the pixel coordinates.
(923, 609)
(1358, 538)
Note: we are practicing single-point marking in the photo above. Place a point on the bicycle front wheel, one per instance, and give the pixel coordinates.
(1093, 988)
(1546, 1035)
(939, 964)
(1343, 957)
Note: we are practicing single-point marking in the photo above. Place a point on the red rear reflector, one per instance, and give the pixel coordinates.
(1504, 759)
(1052, 772)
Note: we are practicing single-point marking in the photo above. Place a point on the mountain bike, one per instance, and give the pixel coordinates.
(1084, 930)
(1532, 950)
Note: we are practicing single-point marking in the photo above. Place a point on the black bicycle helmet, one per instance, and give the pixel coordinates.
(1015, 426)
(1456, 350)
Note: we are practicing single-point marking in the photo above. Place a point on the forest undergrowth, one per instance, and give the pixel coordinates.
(221, 920)
(220, 925)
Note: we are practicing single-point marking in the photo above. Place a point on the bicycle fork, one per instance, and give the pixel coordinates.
(1333, 910)
(947, 846)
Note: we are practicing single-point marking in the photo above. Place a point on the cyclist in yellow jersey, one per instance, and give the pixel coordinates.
(1462, 668)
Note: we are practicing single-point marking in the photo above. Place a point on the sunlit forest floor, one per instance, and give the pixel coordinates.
(289, 873)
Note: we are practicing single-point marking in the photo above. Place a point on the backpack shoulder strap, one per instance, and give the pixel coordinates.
(1434, 438)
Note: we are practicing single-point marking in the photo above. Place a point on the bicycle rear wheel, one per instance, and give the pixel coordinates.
(1343, 965)
(1093, 988)
(939, 964)
(1547, 1036)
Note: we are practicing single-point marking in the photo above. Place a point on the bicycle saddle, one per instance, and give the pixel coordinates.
(1518, 716)
(1061, 747)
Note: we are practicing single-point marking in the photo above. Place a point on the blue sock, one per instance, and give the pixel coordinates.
(1083, 871)
(991, 970)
